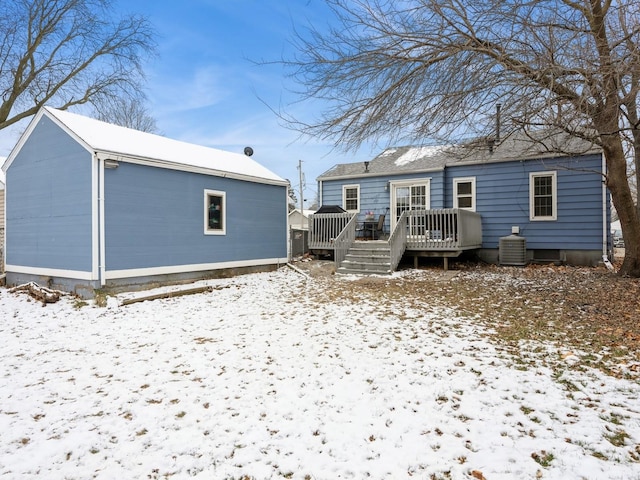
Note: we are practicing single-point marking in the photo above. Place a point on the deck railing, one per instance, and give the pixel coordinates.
(398, 241)
(443, 229)
(324, 229)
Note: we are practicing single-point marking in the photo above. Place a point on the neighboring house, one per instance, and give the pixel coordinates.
(92, 205)
(299, 232)
(298, 221)
(556, 203)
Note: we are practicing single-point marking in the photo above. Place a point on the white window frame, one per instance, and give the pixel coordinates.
(344, 197)
(223, 229)
(554, 200)
(472, 181)
(414, 182)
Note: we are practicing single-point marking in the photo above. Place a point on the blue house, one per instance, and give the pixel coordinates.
(512, 202)
(92, 205)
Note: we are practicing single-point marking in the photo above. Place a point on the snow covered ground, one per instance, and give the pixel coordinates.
(262, 379)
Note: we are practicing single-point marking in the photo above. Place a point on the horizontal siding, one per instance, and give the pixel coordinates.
(155, 218)
(48, 197)
(502, 196)
(2, 208)
(502, 199)
(373, 195)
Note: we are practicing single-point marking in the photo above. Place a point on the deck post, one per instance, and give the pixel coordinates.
(415, 262)
(446, 263)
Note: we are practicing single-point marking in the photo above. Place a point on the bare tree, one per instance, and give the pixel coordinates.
(65, 53)
(429, 69)
(126, 112)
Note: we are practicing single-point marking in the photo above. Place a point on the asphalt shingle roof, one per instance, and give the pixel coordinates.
(411, 159)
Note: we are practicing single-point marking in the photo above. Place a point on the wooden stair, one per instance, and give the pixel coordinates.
(367, 258)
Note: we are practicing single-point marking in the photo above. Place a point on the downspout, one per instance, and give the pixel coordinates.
(605, 226)
(101, 234)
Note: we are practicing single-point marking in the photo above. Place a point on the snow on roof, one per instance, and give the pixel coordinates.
(109, 138)
(306, 212)
(416, 153)
(388, 151)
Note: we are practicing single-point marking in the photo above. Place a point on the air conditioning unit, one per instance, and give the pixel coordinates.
(513, 250)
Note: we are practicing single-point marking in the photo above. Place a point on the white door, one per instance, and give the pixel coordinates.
(412, 195)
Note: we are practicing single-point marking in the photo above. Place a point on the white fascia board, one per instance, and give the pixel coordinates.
(377, 175)
(151, 162)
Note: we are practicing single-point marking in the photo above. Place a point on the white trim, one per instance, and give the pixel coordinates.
(412, 182)
(554, 187)
(150, 162)
(103, 154)
(215, 193)
(199, 267)
(344, 197)
(21, 141)
(97, 223)
(31, 127)
(358, 176)
(50, 272)
(459, 180)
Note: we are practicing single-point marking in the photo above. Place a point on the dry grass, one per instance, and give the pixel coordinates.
(578, 309)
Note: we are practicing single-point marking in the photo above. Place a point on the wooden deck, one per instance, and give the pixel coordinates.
(438, 233)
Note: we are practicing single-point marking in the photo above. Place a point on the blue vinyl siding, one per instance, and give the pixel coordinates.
(502, 199)
(49, 223)
(154, 217)
(373, 195)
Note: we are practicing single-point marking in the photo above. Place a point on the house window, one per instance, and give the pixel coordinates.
(214, 212)
(464, 193)
(351, 198)
(543, 196)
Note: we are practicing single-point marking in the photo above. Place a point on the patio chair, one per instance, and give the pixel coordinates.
(379, 227)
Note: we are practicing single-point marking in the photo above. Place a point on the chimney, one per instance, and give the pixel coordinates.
(498, 123)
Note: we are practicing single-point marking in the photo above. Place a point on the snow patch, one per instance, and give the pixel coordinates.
(264, 378)
(417, 153)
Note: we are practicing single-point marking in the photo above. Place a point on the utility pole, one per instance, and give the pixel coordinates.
(301, 197)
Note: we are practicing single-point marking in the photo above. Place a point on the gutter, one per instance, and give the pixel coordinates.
(394, 173)
(183, 167)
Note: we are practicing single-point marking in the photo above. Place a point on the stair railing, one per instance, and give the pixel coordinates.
(398, 241)
(344, 240)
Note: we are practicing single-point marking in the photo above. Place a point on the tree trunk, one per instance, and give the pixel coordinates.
(623, 201)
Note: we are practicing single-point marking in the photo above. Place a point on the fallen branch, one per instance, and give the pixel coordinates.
(296, 269)
(158, 296)
(43, 294)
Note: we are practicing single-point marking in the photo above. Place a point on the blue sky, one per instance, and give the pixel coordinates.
(205, 88)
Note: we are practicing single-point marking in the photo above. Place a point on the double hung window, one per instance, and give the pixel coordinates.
(543, 196)
(351, 198)
(464, 193)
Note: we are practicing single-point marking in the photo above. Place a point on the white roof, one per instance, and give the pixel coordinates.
(305, 212)
(126, 144)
